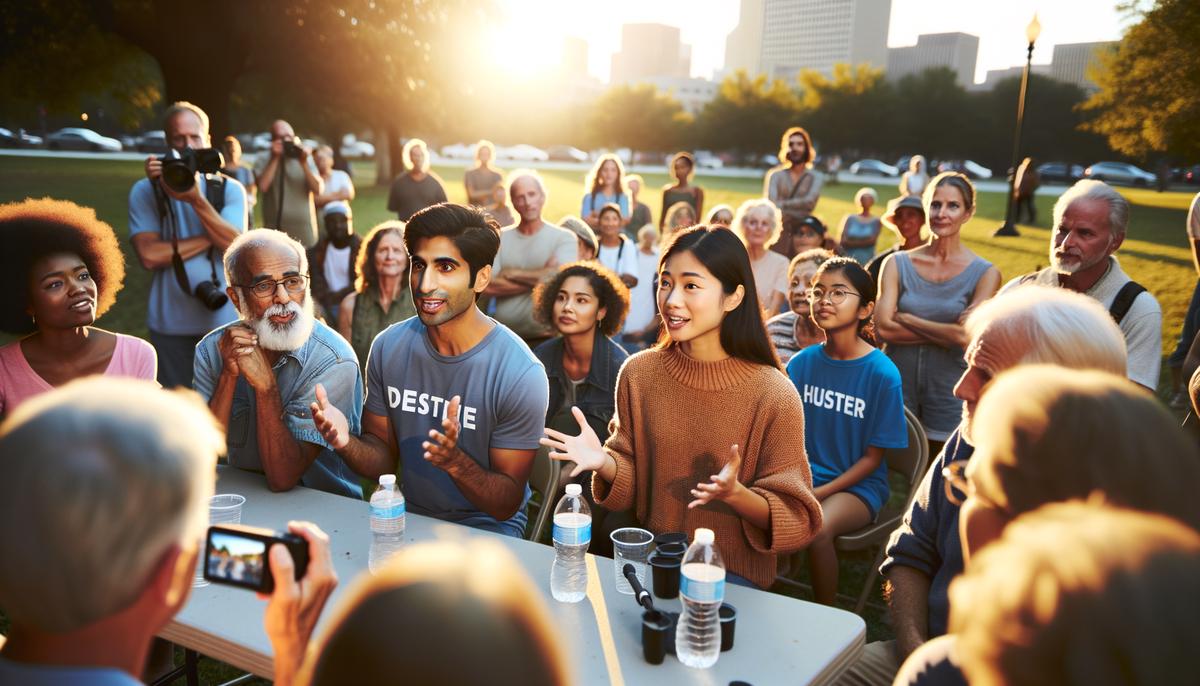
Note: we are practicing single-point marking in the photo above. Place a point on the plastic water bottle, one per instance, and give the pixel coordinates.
(572, 534)
(702, 590)
(387, 521)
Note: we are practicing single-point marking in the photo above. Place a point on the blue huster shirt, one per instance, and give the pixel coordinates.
(325, 358)
(171, 311)
(849, 405)
(503, 390)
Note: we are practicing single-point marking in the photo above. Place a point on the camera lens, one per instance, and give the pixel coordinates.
(210, 294)
(178, 175)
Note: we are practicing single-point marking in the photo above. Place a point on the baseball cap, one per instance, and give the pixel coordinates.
(910, 201)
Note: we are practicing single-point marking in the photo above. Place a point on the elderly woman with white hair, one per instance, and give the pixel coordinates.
(757, 223)
(860, 231)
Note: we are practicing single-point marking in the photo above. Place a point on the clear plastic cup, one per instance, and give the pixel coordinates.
(225, 508)
(631, 545)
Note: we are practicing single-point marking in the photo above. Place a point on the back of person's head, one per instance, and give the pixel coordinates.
(237, 255)
(473, 232)
(442, 613)
(647, 235)
(743, 333)
(956, 180)
(1080, 594)
(1040, 324)
(34, 229)
(760, 207)
(366, 274)
(1091, 189)
(1047, 434)
(99, 479)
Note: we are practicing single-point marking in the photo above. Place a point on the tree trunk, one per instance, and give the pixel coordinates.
(395, 151)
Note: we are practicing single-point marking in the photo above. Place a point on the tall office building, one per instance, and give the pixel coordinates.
(817, 34)
(995, 76)
(649, 50)
(957, 51)
(744, 43)
(574, 57)
(1070, 62)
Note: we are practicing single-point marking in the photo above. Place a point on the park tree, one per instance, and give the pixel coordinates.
(747, 116)
(1053, 128)
(933, 115)
(1148, 101)
(849, 111)
(638, 117)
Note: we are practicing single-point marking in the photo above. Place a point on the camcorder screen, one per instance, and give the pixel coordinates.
(236, 559)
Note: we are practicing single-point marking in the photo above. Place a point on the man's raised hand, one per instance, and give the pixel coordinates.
(441, 450)
(329, 420)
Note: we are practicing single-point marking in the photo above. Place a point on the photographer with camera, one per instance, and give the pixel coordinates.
(288, 202)
(182, 216)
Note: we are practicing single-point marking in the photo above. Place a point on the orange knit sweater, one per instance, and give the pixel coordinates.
(676, 420)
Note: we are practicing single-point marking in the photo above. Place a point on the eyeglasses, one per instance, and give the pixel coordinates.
(266, 287)
(836, 296)
(955, 480)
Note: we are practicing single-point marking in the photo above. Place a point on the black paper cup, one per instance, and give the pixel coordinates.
(728, 615)
(671, 549)
(655, 627)
(671, 537)
(665, 573)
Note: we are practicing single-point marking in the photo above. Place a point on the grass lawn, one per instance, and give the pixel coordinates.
(1155, 252)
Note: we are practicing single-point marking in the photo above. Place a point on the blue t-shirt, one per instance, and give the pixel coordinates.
(26, 674)
(849, 405)
(170, 310)
(593, 203)
(503, 391)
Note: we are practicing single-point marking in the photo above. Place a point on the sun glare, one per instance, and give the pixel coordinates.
(528, 40)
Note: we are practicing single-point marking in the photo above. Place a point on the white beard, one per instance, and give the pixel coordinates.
(286, 337)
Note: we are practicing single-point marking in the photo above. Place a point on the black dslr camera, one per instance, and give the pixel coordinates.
(291, 148)
(179, 167)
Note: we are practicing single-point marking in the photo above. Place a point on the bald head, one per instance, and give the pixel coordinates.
(281, 129)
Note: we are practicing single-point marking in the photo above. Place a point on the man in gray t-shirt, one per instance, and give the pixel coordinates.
(454, 398)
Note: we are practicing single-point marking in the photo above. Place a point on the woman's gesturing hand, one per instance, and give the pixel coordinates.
(584, 450)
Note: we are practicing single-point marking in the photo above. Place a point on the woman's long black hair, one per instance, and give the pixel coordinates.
(743, 333)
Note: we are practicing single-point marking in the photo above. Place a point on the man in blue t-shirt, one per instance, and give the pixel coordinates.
(165, 224)
(452, 395)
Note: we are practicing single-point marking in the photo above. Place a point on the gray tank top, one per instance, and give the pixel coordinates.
(940, 302)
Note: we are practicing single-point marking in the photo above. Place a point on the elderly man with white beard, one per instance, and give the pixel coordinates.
(259, 374)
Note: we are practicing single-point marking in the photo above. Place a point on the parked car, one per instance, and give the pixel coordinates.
(707, 160)
(18, 139)
(1059, 172)
(73, 138)
(1190, 175)
(566, 153)
(522, 153)
(972, 169)
(873, 168)
(152, 142)
(352, 147)
(1119, 172)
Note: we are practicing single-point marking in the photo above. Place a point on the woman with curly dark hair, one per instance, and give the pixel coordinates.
(381, 297)
(586, 304)
(61, 269)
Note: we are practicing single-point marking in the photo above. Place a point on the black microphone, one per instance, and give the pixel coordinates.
(639, 592)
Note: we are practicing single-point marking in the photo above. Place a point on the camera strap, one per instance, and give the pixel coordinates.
(214, 192)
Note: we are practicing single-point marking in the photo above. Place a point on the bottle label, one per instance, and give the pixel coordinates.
(573, 535)
(703, 585)
(387, 511)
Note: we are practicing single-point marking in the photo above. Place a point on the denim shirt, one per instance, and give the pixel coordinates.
(325, 358)
(596, 395)
(927, 539)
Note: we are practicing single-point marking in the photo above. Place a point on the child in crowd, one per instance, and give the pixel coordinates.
(738, 456)
(853, 411)
(795, 330)
(615, 251)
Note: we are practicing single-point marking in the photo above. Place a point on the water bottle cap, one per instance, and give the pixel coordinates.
(574, 489)
(387, 480)
(703, 536)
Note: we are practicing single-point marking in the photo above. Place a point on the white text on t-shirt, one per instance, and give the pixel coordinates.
(834, 400)
(409, 400)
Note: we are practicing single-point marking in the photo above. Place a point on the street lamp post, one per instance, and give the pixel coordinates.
(1009, 228)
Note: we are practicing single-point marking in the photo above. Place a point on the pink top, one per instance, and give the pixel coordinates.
(18, 382)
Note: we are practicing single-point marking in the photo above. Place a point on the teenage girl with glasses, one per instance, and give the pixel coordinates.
(853, 411)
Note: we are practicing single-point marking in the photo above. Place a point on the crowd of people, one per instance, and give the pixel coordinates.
(745, 374)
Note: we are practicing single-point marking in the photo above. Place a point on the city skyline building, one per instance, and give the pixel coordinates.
(956, 51)
(1070, 61)
(817, 34)
(743, 46)
(650, 50)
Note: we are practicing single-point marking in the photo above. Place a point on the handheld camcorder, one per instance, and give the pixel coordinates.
(179, 167)
(237, 556)
(291, 148)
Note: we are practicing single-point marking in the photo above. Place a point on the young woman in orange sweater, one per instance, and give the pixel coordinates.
(708, 430)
